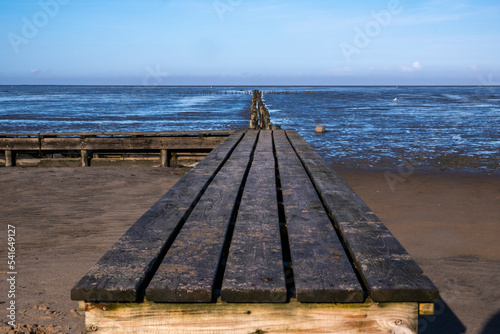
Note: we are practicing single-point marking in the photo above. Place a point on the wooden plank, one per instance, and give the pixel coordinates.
(19, 144)
(149, 143)
(109, 134)
(389, 273)
(322, 270)
(188, 271)
(123, 272)
(111, 143)
(257, 318)
(254, 270)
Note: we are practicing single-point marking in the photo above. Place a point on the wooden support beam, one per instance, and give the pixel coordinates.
(165, 158)
(10, 158)
(241, 318)
(426, 309)
(85, 158)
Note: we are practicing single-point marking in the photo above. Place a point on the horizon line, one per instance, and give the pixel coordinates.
(239, 85)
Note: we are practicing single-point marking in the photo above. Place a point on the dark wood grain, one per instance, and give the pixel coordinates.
(389, 273)
(190, 223)
(187, 273)
(321, 267)
(111, 143)
(121, 274)
(254, 270)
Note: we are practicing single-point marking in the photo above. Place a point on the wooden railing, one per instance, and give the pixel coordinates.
(87, 146)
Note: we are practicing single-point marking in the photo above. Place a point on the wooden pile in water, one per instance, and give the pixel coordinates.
(259, 115)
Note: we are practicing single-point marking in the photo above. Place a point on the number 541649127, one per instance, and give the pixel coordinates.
(11, 242)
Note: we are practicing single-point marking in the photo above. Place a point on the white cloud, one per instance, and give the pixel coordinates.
(414, 67)
(35, 71)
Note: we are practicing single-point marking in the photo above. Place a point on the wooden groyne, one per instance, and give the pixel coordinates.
(105, 148)
(259, 114)
(184, 148)
(246, 92)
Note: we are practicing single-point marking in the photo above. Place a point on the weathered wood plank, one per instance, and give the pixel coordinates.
(322, 271)
(279, 318)
(154, 143)
(111, 143)
(254, 270)
(121, 134)
(187, 273)
(19, 144)
(389, 273)
(123, 272)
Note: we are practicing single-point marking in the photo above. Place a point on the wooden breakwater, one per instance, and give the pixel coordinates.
(259, 114)
(108, 148)
(246, 92)
(184, 148)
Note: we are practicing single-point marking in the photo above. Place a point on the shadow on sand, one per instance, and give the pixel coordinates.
(443, 321)
(493, 325)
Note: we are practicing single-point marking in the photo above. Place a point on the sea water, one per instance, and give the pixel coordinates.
(367, 126)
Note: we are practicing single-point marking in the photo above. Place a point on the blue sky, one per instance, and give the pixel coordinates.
(254, 42)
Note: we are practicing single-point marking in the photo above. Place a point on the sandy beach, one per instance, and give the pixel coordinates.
(66, 219)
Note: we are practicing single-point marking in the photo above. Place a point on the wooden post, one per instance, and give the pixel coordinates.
(165, 158)
(85, 158)
(254, 116)
(9, 158)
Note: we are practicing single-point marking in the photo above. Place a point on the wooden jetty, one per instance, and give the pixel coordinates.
(262, 236)
(85, 149)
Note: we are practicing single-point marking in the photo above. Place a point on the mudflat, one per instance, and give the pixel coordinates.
(67, 218)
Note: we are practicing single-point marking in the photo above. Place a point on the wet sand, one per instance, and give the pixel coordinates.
(66, 219)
